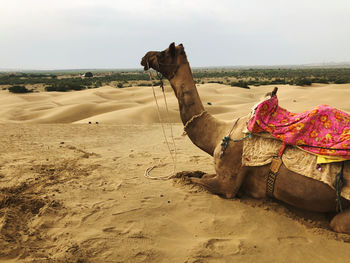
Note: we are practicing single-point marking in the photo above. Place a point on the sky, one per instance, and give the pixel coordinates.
(76, 34)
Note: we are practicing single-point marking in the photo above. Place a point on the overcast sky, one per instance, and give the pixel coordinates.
(62, 34)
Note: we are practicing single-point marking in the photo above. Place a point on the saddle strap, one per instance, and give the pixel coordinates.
(338, 185)
(272, 175)
(274, 168)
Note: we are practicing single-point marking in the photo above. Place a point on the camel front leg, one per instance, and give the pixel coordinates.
(210, 182)
(341, 222)
(227, 186)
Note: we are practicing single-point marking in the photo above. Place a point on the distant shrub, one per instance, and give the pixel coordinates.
(341, 81)
(144, 84)
(278, 81)
(148, 84)
(156, 83)
(97, 84)
(240, 83)
(63, 87)
(88, 75)
(120, 85)
(320, 80)
(303, 82)
(77, 87)
(216, 81)
(19, 89)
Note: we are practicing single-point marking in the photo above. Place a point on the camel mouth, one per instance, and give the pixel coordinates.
(145, 64)
(149, 60)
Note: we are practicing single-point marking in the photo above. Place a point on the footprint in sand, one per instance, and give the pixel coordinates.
(223, 246)
(145, 199)
(216, 248)
(195, 158)
(223, 250)
(292, 240)
(109, 229)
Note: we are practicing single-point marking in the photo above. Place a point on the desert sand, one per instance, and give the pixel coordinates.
(71, 191)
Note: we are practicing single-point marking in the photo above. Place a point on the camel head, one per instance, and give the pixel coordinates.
(165, 62)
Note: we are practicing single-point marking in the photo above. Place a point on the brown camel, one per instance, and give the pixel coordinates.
(231, 178)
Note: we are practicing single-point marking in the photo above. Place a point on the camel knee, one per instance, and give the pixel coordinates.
(208, 176)
(210, 183)
(214, 184)
(341, 222)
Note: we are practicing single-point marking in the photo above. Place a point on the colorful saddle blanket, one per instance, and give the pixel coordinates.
(323, 130)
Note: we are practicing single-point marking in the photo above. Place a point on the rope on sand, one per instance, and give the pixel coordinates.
(172, 154)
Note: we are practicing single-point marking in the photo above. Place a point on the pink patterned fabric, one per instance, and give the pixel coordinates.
(324, 128)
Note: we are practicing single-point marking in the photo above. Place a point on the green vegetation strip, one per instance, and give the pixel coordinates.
(234, 77)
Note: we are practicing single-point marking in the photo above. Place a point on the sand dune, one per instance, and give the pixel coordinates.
(76, 192)
(136, 105)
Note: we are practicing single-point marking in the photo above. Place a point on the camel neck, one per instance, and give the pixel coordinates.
(186, 93)
(204, 130)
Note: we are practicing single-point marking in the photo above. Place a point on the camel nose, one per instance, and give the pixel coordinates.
(149, 59)
(144, 63)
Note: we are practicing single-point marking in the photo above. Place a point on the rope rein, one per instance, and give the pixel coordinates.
(172, 154)
(191, 120)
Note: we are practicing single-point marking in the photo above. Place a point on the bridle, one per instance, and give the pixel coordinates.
(172, 75)
(177, 66)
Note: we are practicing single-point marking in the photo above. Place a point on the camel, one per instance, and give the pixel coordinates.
(231, 178)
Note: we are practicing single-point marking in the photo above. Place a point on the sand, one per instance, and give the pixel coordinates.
(76, 192)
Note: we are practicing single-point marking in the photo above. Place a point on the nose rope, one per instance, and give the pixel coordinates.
(172, 154)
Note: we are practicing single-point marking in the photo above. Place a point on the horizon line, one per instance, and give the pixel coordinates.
(309, 65)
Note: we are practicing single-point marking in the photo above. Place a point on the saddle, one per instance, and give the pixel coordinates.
(322, 133)
(323, 130)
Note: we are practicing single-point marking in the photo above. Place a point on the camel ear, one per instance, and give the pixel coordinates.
(182, 47)
(172, 49)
